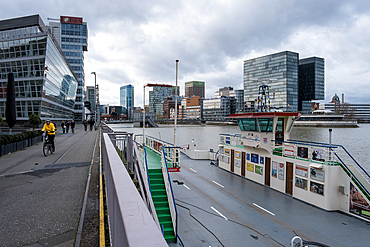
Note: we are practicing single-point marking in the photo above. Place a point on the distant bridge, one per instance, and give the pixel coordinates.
(153, 123)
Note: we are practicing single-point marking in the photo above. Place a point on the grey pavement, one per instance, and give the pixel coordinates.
(41, 198)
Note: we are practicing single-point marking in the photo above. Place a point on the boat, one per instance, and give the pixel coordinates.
(325, 118)
(321, 174)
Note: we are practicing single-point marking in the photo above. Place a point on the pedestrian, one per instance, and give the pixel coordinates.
(91, 124)
(63, 127)
(85, 124)
(67, 125)
(73, 126)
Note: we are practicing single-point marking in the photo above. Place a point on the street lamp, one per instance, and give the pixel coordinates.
(95, 99)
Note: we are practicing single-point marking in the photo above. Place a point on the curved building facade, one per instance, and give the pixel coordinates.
(45, 83)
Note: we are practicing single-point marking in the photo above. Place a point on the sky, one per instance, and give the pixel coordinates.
(137, 42)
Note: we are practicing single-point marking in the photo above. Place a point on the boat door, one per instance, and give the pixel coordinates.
(279, 131)
(232, 161)
(267, 171)
(289, 178)
(243, 164)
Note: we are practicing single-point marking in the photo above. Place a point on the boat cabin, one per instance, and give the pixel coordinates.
(265, 130)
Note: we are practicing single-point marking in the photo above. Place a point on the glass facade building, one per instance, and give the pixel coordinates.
(127, 96)
(45, 83)
(216, 108)
(280, 72)
(311, 79)
(157, 95)
(72, 35)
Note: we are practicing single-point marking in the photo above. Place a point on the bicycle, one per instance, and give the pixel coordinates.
(47, 147)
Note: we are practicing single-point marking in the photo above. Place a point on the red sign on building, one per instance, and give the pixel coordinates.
(71, 20)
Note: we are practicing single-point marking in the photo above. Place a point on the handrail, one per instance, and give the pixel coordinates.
(168, 180)
(127, 213)
(353, 175)
(148, 190)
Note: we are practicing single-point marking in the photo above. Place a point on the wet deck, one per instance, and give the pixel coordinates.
(217, 208)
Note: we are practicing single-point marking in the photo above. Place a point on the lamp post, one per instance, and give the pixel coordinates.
(175, 122)
(95, 99)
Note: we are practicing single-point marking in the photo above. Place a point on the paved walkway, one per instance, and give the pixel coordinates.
(41, 198)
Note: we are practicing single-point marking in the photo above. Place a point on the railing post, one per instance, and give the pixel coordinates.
(130, 144)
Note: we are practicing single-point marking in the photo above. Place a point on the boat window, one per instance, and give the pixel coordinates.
(279, 126)
(266, 124)
(248, 124)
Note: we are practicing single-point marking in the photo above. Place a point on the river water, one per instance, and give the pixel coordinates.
(355, 140)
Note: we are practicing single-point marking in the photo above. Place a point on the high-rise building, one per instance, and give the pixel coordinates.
(194, 88)
(311, 77)
(157, 95)
(280, 72)
(292, 83)
(44, 81)
(127, 96)
(71, 33)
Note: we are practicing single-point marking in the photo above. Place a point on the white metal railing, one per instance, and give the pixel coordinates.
(168, 186)
(126, 208)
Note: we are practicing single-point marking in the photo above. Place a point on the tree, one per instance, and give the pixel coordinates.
(1, 120)
(34, 120)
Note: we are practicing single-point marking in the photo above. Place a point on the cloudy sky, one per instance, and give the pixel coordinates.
(137, 42)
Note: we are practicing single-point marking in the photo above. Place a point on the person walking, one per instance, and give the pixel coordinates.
(50, 131)
(85, 124)
(67, 125)
(63, 127)
(91, 124)
(73, 126)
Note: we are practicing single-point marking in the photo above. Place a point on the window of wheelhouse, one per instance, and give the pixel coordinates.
(248, 124)
(266, 124)
(279, 132)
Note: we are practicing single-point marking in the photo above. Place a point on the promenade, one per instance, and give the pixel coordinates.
(41, 198)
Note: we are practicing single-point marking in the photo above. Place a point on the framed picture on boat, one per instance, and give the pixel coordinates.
(318, 154)
(254, 158)
(303, 152)
(317, 188)
(274, 169)
(227, 151)
(258, 169)
(248, 156)
(358, 204)
(250, 167)
(301, 183)
(237, 154)
(281, 171)
(301, 171)
(317, 174)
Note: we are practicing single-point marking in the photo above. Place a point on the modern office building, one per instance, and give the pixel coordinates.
(288, 90)
(280, 72)
(72, 36)
(311, 78)
(195, 88)
(157, 95)
(236, 98)
(127, 96)
(216, 108)
(44, 81)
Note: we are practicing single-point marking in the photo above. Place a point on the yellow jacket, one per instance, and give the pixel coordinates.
(50, 128)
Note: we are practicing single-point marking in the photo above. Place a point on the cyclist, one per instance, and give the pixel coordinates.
(50, 131)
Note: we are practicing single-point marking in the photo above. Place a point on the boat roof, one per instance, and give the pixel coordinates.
(265, 114)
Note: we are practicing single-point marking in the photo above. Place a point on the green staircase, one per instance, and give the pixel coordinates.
(161, 203)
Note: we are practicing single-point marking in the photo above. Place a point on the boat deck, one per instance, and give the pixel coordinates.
(217, 208)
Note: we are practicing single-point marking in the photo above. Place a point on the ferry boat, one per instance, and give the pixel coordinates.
(325, 118)
(322, 174)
